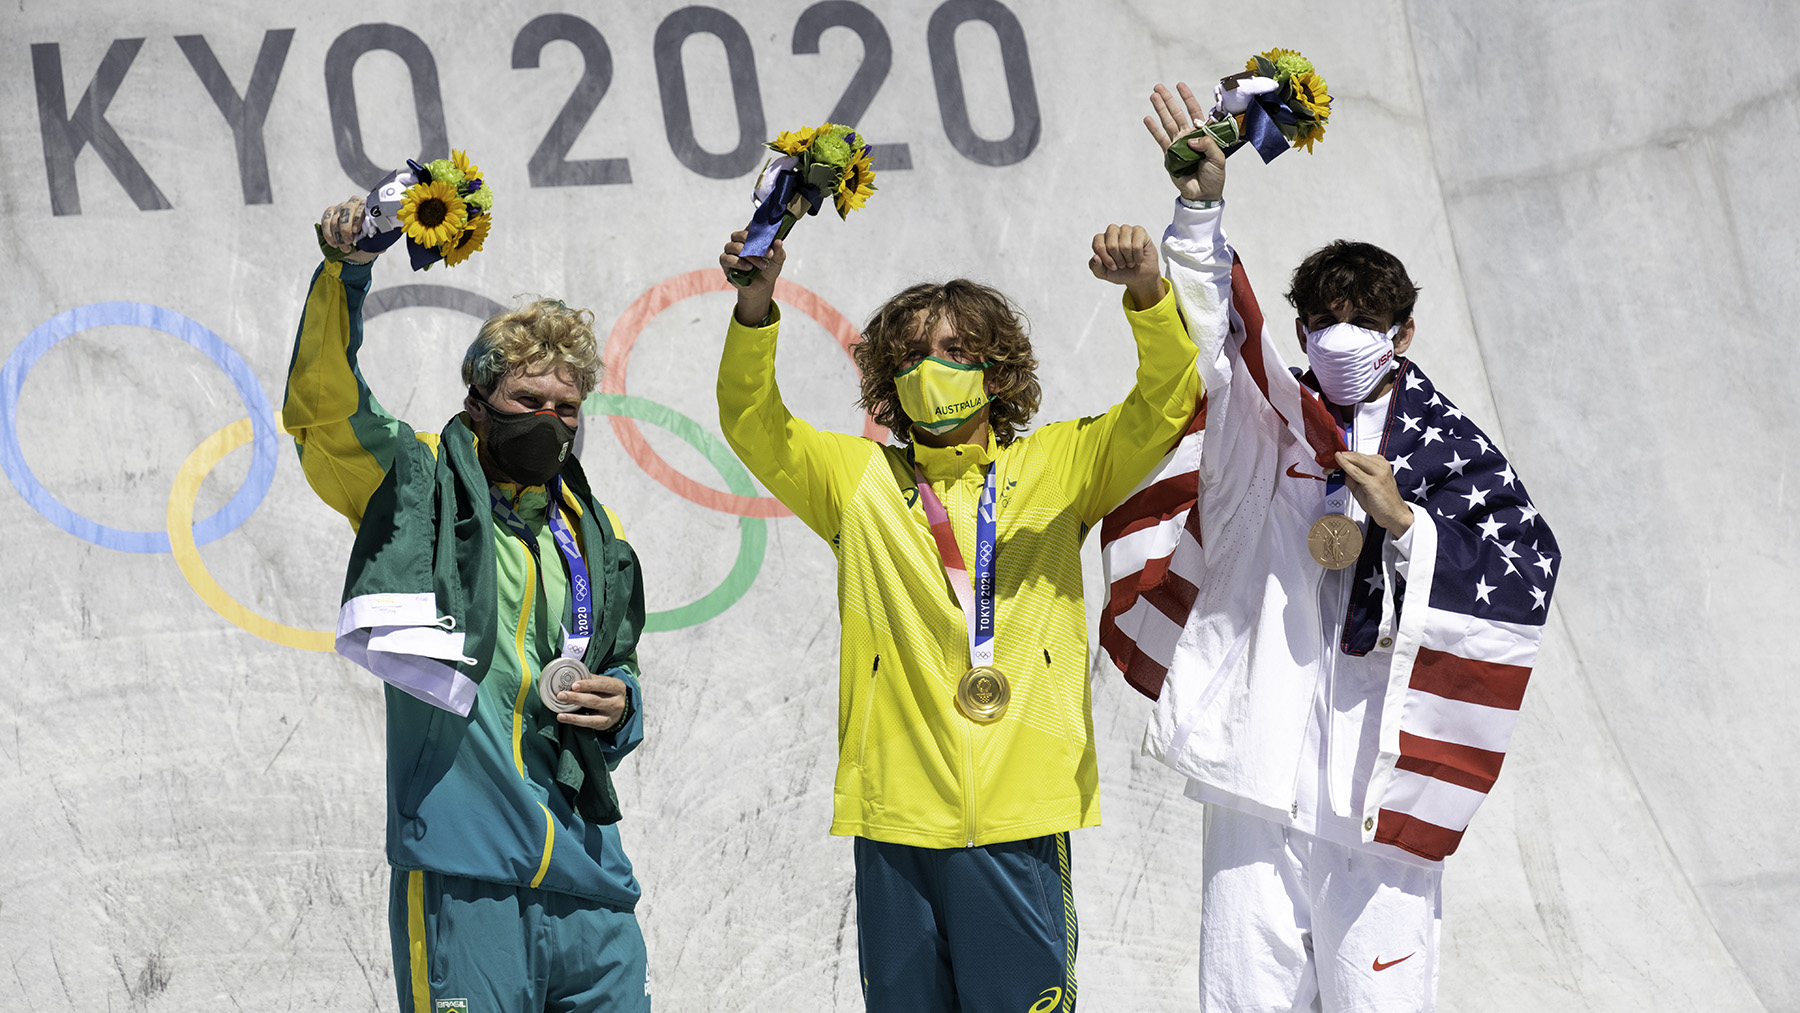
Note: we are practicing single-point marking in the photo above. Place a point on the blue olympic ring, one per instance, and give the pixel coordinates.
(82, 318)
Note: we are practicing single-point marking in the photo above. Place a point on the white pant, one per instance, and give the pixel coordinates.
(1290, 922)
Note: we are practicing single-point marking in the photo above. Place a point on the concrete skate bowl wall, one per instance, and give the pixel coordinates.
(192, 782)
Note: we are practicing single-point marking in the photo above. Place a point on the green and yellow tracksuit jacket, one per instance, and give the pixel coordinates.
(911, 769)
(474, 796)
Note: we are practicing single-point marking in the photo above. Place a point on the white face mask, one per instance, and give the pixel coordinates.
(1349, 361)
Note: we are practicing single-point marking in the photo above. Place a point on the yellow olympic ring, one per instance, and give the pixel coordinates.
(186, 490)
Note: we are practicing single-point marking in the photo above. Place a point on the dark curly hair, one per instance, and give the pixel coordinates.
(992, 330)
(1357, 274)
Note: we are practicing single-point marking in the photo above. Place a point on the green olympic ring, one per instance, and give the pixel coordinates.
(753, 532)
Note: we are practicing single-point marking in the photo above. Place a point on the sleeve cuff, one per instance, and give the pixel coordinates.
(1164, 305)
(764, 329)
(1198, 231)
(1403, 544)
(356, 274)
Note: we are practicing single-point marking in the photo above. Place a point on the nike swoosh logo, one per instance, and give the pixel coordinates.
(1295, 472)
(1379, 966)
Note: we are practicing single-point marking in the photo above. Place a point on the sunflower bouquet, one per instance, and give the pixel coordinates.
(1277, 102)
(811, 165)
(443, 209)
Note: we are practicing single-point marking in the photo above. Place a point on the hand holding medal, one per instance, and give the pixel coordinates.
(813, 164)
(1278, 101)
(594, 701)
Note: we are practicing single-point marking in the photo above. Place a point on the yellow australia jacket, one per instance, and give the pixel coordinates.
(911, 768)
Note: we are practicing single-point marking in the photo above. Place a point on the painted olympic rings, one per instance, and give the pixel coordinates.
(180, 533)
(82, 318)
(618, 353)
(753, 532)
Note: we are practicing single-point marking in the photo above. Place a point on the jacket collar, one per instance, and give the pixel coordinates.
(947, 464)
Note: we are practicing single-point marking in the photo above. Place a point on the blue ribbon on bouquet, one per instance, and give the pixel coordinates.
(1262, 126)
(765, 224)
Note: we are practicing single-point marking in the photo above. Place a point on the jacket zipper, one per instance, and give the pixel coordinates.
(868, 710)
(518, 730)
(969, 782)
(1324, 664)
(528, 598)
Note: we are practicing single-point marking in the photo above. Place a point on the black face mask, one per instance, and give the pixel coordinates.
(530, 447)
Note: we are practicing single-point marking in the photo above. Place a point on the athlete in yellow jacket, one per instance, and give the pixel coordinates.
(961, 814)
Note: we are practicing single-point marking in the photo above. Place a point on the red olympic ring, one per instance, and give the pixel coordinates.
(624, 335)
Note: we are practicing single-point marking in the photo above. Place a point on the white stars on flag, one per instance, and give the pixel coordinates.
(1402, 462)
(1483, 589)
(1475, 497)
(1457, 463)
(1543, 563)
(1506, 474)
(1537, 598)
(1432, 435)
(1490, 528)
(1410, 422)
(1527, 513)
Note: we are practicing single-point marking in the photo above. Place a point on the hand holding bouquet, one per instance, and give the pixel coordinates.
(443, 209)
(1278, 101)
(812, 164)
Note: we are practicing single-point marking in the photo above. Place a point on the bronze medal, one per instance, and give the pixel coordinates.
(982, 695)
(1335, 541)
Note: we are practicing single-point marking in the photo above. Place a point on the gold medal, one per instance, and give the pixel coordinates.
(1335, 541)
(982, 694)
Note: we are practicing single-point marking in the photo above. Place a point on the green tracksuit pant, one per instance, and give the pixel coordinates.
(470, 946)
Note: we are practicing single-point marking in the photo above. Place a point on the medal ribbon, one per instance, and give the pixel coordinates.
(976, 597)
(1334, 479)
(581, 593)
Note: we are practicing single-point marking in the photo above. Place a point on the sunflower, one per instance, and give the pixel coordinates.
(469, 169)
(458, 251)
(793, 142)
(1310, 94)
(432, 213)
(1286, 62)
(855, 183)
(1306, 132)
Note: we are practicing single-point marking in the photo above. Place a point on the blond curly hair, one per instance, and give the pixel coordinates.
(541, 336)
(992, 330)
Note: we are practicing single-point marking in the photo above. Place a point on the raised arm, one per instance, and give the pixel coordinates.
(1194, 245)
(345, 439)
(806, 469)
(1107, 455)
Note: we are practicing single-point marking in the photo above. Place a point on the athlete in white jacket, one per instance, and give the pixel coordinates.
(1342, 690)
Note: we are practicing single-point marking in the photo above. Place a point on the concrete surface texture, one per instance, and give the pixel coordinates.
(1597, 199)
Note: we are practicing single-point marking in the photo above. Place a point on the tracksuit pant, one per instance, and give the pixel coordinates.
(966, 930)
(470, 946)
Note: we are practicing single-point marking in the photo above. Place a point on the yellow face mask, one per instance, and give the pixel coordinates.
(940, 395)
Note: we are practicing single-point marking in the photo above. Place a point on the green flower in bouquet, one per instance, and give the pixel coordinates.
(443, 170)
(1279, 64)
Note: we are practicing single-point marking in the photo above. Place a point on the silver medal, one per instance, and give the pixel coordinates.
(558, 676)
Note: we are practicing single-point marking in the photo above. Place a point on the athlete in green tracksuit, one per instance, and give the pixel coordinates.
(510, 889)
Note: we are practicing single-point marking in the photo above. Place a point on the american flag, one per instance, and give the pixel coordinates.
(1489, 583)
